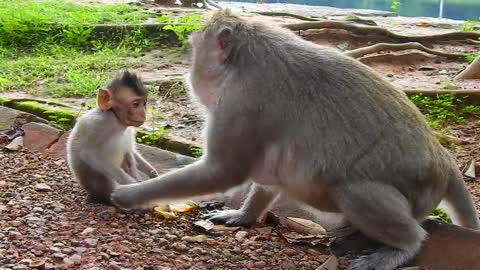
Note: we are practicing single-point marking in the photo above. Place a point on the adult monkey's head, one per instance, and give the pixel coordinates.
(126, 97)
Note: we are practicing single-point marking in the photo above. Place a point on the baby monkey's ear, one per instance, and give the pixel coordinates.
(104, 99)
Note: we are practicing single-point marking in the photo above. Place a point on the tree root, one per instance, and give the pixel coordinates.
(445, 139)
(286, 14)
(472, 72)
(365, 30)
(405, 59)
(471, 96)
(357, 53)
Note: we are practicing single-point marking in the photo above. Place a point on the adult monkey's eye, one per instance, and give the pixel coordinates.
(136, 104)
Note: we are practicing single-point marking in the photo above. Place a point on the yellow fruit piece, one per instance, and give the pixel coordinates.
(164, 214)
(183, 207)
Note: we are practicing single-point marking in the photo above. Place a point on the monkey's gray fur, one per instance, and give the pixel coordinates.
(101, 154)
(320, 127)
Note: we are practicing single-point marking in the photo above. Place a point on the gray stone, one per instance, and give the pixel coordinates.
(11, 117)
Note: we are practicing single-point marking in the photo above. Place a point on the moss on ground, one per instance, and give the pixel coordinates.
(63, 117)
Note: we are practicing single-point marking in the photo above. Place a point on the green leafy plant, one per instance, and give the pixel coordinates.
(444, 109)
(470, 57)
(471, 25)
(394, 5)
(196, 151)
(182, 25)
(441, 215)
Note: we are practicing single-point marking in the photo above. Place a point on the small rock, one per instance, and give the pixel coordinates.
(37, 210)
(80, 250)
(20, 267)
(195, 239)
(76, 259)
(290, 251)
(68, 251)
(87, 231)
(59, 255)
(162, 241)
(390, 75)
(91, 242)
(241, 235)
(42, 187)
(184, 258)
(179, 246)
(260, 264)
(13, 235)
(287, 265)
(37, 264)
(68, 262)
(171, 237)
(113, 266)
(48, 266)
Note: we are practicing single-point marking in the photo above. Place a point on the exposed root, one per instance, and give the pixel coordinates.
(286, 14)
(470, 96)
(357, 53)
(404, 59)
(472, 72)
(445, 139)
(366, 30)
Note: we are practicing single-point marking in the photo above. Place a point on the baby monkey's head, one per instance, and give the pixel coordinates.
(126, 96)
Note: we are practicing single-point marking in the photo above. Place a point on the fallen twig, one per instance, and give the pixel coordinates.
(399, 47)
(366, 30)
(445, 139)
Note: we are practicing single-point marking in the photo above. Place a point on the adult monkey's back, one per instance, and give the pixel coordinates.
(317, 125)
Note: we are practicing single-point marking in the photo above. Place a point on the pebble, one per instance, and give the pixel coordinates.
(42, 187)
(290, 251)
(91, 242)
(179, 246)
(20, 267)
(162, 241)
(37, 210)
(76, 258)
(13, 235)
(171, 237)
(241, 235)
(113, 266)
(87, 230)
(260, 264)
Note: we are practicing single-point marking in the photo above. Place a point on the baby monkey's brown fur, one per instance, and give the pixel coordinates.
(318, 126)
(101, 148)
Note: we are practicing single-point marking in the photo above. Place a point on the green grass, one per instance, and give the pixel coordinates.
(47, 47)
(32, 23)
(70, 73)
(444, 110)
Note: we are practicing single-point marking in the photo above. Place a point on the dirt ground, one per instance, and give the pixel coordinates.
(54, 226)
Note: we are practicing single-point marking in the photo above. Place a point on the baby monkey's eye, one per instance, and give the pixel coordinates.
(136, 104)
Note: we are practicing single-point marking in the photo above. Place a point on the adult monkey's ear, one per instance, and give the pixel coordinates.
(224, 38)
(104, 99)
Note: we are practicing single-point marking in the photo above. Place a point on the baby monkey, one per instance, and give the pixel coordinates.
(101, 148)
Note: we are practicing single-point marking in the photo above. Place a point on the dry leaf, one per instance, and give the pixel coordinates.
(203, 225)
(223, 228)
(304, 226)
(16, 144)
(296, 238)
(182, 207)
(330, 264)
(469, 170)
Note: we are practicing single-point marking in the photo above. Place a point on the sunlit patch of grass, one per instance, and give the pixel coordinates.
(70, 73)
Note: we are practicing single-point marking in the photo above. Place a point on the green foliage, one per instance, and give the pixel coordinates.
(182, 25)
(69, 73)
(444, 109)
(154, 137)
(30, 23)
(471, 25)
(394, 5)
(439, 214)
(196, 151)
(470, 57)
(48, 46)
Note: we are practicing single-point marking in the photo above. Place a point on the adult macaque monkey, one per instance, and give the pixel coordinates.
(101, 148)
(317, 125)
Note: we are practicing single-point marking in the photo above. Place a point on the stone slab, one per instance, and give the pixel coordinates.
(39, 137)
(11, 117)
(59, 148)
